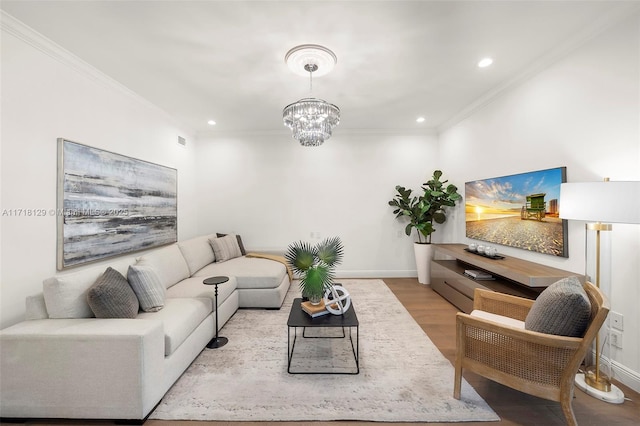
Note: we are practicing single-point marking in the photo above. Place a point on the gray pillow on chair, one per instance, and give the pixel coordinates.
(111, 296)
(562, 309)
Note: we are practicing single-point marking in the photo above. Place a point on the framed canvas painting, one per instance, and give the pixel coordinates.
(520, 210)
(111, 204)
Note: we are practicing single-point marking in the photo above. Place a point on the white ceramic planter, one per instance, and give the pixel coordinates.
(424, 254)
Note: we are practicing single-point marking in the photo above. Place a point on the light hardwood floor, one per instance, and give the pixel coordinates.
(437, 318)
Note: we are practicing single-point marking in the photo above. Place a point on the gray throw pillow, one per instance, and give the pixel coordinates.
(562, 309)
(111, 296)
(147, 286)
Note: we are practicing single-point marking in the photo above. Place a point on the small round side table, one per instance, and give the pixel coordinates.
(217, 341)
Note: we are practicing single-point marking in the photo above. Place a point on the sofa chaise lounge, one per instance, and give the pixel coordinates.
(62, 362)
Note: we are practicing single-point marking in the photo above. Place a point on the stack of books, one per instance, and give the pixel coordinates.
(316, 310)
(478, 275)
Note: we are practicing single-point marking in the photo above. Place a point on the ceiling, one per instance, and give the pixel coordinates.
(397, 60)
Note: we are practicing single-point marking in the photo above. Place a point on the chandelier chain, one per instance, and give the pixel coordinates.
(311, 67)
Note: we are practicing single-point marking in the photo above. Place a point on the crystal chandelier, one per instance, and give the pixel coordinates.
(311, 120)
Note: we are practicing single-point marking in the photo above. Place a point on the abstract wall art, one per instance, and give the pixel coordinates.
(110, 204)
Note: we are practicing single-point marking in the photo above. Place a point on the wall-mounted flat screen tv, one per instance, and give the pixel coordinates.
(518, 211)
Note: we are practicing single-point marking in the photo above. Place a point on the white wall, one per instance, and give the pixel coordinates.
(272, 191)
(582, 112)
(46, 94)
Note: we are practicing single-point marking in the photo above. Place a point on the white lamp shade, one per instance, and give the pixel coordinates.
(606, 202)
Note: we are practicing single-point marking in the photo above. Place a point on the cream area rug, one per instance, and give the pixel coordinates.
(403, 377)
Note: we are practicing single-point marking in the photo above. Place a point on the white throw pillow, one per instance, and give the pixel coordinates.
(225, 248)
(147, 286)
(239, 238)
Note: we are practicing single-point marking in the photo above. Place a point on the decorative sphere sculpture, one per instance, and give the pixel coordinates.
(337, 295)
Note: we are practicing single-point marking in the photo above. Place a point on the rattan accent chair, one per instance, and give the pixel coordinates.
(535, 363)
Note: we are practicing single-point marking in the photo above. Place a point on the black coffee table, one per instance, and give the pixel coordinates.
(300, 319)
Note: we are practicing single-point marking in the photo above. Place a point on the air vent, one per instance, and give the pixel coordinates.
(182, 141)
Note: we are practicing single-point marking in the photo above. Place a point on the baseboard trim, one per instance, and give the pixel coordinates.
(376, 274)
(625, 375)
(621, 373)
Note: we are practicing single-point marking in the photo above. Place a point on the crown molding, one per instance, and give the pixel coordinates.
(422, 131)
(561, 51)
(12, 26)
(215, 133)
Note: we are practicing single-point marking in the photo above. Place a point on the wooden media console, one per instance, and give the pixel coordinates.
(510, 275)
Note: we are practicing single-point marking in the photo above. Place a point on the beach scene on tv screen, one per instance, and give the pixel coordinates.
(518, 211)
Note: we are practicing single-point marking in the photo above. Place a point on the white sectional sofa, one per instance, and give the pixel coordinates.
(61, 362)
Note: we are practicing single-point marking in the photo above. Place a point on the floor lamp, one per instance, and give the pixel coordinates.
(600, 204)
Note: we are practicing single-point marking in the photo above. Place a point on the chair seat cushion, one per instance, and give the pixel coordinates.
(562, 309)
(501, 319)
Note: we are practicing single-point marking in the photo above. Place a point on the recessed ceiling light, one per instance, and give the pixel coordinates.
(485, 62)
(211, 123)
(420, 120)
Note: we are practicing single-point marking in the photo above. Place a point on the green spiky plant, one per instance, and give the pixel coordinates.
(426, 208)
(315, 264)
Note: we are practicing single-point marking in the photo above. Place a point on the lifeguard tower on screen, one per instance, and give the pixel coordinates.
(535, 208)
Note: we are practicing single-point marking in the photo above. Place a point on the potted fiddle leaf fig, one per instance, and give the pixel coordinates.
(422, 211)
(315, 265)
